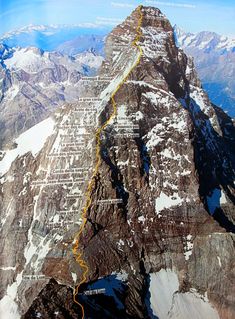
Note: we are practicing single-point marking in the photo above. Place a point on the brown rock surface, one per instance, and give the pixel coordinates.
(165, 179)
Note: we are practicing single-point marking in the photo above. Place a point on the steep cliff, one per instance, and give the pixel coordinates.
(158, 239)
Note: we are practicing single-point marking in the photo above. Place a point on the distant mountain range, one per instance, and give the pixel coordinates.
(214, 57)
(57, 38)
(35, 82)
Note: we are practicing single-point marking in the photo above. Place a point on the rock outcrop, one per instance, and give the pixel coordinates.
(159, 236)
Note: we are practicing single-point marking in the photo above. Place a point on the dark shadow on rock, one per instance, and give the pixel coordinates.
(214, 157)
(223, 220)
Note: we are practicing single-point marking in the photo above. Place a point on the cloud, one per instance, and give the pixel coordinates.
(107, 21)
(122, 5)
(170, 4)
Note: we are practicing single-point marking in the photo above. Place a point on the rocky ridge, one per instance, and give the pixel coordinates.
(161, 221)
(214, 59)
(34, 83)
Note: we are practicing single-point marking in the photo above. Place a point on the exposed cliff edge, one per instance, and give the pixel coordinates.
(159, 235)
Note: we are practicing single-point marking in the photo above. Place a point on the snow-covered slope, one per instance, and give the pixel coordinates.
(167, 302)
(205, 40)
(33, 83)
(90, 59)
(33, 60)
(30, 141)
(214, 57)
(159, 160)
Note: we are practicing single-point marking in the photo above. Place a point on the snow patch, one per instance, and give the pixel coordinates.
(7, 268)
(163, 285)
(30, 141)
(215, 200)
(121, 163)
(122, 275)
(139, 116)
(120, 244)
(141, 219)
(188, 247)
(26, 59)
(9, 308)
(166, 302)
(12, 92)
(74, 276)
(153, 137)
(8, 305)
(165, 201)
(191, 305)
(90, 59)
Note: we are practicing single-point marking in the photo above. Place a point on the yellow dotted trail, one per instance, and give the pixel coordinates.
(76, 252)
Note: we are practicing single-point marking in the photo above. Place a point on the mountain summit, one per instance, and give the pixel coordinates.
(150, 160)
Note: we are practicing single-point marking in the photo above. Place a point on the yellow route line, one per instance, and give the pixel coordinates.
(77, 254)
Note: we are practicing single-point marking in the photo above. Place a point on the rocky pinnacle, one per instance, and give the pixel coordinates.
(160, 219)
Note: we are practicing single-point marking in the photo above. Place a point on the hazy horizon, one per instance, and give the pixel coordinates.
(192, 16)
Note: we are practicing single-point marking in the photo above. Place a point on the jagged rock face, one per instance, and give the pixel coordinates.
(168, 157)
(34, 83)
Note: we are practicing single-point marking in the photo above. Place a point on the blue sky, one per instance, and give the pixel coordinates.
(216, 15)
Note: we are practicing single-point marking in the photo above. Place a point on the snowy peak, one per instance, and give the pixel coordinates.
(90, 59)
(33, 79)
(27, 59)
(204, 40)
(33, 60)
(155, 28)
(212, 52)
(180, 31)
(162, 160)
